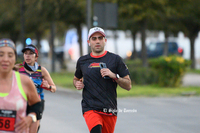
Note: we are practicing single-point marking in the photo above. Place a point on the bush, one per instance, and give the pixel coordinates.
(170, 69)
(134, 63)
(141, 75)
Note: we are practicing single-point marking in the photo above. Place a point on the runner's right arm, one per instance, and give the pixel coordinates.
(78, 83)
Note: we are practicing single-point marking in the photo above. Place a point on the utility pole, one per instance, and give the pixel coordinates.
(115, 41)
(53, 26)
(89, 18)
(22, 23)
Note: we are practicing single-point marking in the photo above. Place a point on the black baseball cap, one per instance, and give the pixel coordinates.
(31, 47)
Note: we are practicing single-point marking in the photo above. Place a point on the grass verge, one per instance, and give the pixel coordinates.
(155, 91)
(196, 71)
(65, 79)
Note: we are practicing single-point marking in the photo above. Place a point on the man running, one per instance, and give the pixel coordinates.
(98, 74)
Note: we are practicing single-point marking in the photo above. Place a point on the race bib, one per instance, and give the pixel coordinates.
(7, 120)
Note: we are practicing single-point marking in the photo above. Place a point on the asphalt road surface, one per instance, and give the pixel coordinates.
(136, 115)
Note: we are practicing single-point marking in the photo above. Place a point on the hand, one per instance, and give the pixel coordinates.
(23, 124)
(46, 85)
(53, 89)
(106, 72)
(16, 67)
(79, 84)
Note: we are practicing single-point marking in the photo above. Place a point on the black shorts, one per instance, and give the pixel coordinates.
(28, 108)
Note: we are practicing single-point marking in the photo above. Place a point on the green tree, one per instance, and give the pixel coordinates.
(54, 16)
(10, 19)
(134, 27)
(166, 21)
(74, 15)
(191, 22)
(142, 12)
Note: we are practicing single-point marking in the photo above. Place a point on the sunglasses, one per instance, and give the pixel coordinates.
(99, 37)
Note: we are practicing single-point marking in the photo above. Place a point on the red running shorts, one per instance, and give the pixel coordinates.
(107, 121)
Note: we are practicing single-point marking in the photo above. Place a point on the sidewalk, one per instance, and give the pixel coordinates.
(191, 79)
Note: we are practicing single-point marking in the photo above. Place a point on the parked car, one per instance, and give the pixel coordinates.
(156, 49)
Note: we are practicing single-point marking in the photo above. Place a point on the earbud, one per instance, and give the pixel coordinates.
(89, 44)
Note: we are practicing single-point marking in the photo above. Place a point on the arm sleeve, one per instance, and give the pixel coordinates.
(122, 68)
(37, 109)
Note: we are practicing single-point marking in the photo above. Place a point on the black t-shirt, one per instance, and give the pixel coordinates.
(99, 93)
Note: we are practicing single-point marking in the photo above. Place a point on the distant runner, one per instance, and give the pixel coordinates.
(38, 74)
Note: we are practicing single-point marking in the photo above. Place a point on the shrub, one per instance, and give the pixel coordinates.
(141, 75)
(170, 69)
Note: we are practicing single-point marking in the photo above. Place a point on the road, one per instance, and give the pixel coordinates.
(136, 115)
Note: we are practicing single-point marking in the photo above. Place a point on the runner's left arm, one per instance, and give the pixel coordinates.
(124, 82)
(33, 98)
(47, 80)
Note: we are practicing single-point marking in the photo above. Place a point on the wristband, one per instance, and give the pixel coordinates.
(34, 119)
(45, 87)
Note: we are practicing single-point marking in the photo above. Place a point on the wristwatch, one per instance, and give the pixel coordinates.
(117, 77)
(33, 117)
